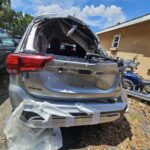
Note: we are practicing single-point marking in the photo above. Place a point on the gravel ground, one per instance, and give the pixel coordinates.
(131, 132)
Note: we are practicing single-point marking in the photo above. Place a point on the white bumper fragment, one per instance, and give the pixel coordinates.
(35, 134)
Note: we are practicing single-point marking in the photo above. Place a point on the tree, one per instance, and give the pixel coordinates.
(19, 23)
(13, 22)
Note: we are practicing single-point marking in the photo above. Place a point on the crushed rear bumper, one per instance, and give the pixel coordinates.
(74, 116)
(84, 119)
(46, 114)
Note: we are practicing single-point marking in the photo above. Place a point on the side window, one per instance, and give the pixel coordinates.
(5, 39)
(7, 42)
(116, 41)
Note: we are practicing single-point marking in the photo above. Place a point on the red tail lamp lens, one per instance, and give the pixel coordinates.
(20, 62)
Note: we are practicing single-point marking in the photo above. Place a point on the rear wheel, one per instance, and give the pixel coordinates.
(129, 85)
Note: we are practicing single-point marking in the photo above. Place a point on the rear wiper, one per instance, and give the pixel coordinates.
(91, 55)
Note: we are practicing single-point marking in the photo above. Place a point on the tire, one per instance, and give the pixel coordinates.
(128, 85)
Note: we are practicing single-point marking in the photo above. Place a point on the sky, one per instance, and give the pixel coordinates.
(98, 14)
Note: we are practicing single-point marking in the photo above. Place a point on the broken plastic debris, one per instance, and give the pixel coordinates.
(45, 111)
(22, 137)
(39, 132)
(25, 138)
(90, 111)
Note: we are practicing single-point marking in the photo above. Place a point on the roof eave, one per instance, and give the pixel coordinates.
(126, 24)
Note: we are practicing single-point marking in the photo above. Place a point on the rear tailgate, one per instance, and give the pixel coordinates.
(66, 79)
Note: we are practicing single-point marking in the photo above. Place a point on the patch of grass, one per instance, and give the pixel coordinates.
(134, 116)
(134, 100)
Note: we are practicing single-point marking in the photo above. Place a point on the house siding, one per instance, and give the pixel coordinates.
(135, 40)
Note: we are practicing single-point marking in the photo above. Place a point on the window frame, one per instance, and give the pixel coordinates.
(113, 42)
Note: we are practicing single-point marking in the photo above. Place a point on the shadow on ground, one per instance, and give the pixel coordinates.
(110, 134)
(4, 79)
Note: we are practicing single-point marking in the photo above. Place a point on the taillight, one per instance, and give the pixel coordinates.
(20, 62)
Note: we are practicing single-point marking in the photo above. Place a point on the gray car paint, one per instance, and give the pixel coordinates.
(62, 84)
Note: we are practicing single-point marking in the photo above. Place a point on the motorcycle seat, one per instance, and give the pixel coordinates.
(146, 82)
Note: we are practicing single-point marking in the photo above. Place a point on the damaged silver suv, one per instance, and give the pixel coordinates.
(58, 62)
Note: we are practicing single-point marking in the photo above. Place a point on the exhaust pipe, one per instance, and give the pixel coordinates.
(139, 95)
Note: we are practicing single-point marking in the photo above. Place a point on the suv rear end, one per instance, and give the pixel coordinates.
(59, 62)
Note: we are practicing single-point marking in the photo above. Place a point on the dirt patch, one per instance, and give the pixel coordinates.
(97, 137)
(5, 110)
(131, 132)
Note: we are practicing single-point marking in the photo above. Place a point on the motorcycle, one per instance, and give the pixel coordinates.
(131, 80)
(134, 84)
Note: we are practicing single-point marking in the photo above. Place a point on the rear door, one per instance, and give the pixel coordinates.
(67, 78)
(71, 77)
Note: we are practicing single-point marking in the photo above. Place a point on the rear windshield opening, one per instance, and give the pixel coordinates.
(57, 47)
(52, 38)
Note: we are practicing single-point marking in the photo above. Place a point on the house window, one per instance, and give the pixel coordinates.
(116, 41)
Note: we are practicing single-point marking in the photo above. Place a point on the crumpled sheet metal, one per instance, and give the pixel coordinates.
(40, 135)
(45, 110)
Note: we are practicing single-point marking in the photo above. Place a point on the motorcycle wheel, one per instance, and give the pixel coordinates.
(128, 85)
